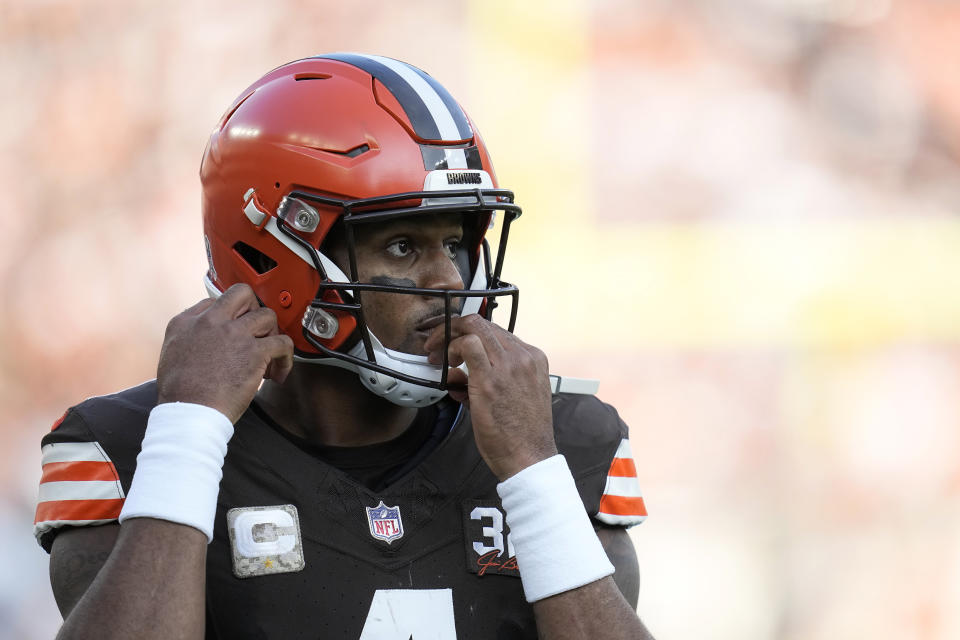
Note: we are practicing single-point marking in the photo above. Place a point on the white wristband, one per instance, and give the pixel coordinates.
(180, 465)
(556, 547)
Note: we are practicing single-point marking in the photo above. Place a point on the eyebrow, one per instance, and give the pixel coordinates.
(410, 225)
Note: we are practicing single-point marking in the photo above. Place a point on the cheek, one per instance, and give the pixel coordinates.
(384, 315)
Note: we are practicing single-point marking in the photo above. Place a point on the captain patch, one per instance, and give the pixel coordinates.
(265, 540)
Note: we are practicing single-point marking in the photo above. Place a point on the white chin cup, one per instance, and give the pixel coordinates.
(408, 394)
(405, 394)
(399, 392)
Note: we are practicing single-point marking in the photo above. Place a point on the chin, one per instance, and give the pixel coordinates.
(412, 344)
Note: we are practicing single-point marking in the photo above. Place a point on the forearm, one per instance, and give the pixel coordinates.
(565, 565)
(214, 357)
(597, 611)
(152, 586)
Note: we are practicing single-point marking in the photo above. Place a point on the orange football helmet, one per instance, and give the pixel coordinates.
(358, 139)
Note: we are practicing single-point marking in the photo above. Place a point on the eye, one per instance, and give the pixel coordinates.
(399, 248)
(452, 247)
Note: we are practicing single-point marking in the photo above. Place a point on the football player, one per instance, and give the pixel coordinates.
(339, 442)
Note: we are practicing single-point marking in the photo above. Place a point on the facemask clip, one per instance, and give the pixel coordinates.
(320, 323)
(299, 215)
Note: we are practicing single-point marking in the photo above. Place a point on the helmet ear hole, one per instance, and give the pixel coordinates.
(255, 259)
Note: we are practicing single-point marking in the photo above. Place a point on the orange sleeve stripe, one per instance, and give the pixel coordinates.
(623, 468)
(78, 510)
(77, 471)
(622, 506)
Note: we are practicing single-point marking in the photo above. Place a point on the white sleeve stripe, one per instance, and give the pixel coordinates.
(79, 490)
(623, 451)
(73, 452)
(625, 487)
(609, 518)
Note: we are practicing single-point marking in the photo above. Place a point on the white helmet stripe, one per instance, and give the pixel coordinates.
(432, 100)
(456, 158)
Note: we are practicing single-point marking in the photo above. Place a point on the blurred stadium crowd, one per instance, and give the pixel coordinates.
(740, 215)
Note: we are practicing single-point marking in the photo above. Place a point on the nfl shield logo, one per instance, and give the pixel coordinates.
(385, 522)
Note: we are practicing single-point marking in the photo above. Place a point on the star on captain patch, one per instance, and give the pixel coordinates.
(385, 522)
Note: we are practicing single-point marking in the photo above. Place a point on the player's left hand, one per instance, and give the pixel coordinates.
(508, 392)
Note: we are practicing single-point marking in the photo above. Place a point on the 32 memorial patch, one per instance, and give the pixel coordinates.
(265, 540)
(487, 540)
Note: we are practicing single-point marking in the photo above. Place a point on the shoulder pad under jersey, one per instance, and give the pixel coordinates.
(594, 440)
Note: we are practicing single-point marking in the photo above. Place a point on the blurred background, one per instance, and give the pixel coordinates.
(740, 215)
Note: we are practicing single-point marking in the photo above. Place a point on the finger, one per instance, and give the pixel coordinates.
(198, 308)
(456, 377)
(492, 339)
(279, 348)
(259, 322)
(470, 349)
(278, 370)
(235, 301)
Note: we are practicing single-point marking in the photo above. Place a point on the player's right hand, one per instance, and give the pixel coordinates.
(217, 352)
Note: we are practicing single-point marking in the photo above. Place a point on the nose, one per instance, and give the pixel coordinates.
(439, 271)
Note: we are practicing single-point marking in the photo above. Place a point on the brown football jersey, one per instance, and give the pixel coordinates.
(302, 548)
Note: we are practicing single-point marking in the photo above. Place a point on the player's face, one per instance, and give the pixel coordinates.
(421, 251)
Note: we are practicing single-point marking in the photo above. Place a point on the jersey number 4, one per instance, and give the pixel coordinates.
(402, 614)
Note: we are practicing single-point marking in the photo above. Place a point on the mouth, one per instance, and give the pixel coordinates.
(429, 323)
